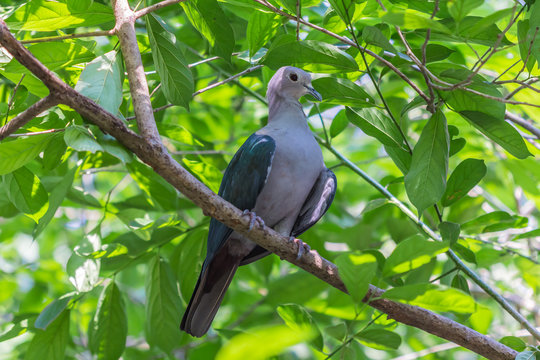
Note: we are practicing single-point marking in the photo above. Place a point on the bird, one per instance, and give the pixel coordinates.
(279, 178)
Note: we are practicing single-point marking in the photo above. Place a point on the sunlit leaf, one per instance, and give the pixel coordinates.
(357, 270)
(27, 193)
(50, 344)
(17, 153)
(464, 177)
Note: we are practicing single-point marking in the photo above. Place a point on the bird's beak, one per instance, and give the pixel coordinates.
(313, 92)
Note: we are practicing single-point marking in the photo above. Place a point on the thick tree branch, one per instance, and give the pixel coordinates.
(161, 161)
(21, 119)
(125, 30)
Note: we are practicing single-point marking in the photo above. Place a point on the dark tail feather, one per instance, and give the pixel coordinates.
(209, 292)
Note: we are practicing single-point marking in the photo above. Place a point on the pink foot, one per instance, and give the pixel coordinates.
(302, 246)
(253, 218)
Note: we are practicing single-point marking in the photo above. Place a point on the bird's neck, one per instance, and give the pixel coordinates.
(285, 109)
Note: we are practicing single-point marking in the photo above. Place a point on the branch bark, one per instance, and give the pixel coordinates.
(21, 119)
(523, 123)
(156, 156)
(125, 30)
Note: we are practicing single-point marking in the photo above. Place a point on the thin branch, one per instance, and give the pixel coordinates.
(142, 105)
(12, 98)
(523, 123)
(298, 16)
(524, 85)
(531, 43)
(38, 132)
(155, 7)
(214, 85)
(23, 118)
(70, 36)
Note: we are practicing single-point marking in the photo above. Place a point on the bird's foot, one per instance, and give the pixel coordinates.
(253, 218)
(302, 246)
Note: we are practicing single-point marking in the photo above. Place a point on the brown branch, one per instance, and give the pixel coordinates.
(125, 30)
(523, 123)
(23, 118)
(70, 36)
(524, 85)
(155, 7)
(12, 98)
(161, 161)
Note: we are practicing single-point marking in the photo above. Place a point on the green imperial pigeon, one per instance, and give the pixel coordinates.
(278, 176)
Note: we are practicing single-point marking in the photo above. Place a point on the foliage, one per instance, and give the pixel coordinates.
(95, 248)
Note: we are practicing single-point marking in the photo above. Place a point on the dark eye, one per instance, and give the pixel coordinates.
(293, 77)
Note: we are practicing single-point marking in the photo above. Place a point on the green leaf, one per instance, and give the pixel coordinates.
(51, 343)
(372, 35)
(163, 306)
(379, 339)
(374, 123)
(15, 331)
(159, 191)
(401, 157)
(309, 54)
(460, 8)
(426, 180)
(526, 42)
(496, 221)
(41, 15)
(298, 318)
(187, 259)
(206, 173)
(79, 5)
(210, 20)
(339, 123)
(412, 253)
(434, 52)
(108, 328)
(54, 55)
(55, 200)
(344, 9)
(433, 297)
(84, 273)
(17, 153)
(342, 92)
(485, 22)
(263, 343)
(80, 139)
(262, 26)
(449, 231)
(27, 193)
(459, 282)
(410, 19)
(102, 80)
(464, 177)
(176, 78)
(54, 152)
(52, 311)
(528, 234)
(356, 270)
(499, 131)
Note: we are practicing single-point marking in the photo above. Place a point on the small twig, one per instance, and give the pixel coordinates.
(523, 123)
(12, 98)
(298, 16)
(525, 85)
(214, 85)
(201, 152)
(70, 36)
(155, 7)
(505, 71)
(37, 132)
(21, 119)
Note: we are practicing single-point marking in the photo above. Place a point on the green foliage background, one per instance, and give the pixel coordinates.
(99, 255)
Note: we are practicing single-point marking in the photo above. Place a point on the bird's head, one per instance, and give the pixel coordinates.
(291, 82)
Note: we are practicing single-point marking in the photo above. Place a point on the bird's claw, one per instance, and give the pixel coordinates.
(302, 246)
(253, 218)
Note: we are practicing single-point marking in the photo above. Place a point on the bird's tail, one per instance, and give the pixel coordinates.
(209, 292)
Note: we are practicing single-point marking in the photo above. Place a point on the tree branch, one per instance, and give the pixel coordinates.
(155, 7)
(161, 161)
(21, 119)
(523, 123)
(125, 30)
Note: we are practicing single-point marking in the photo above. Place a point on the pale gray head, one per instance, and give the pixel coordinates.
(291, 83)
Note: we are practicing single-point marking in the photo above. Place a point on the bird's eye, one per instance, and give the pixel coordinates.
(293, 77)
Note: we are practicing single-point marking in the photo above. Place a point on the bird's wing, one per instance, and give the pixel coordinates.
(317, 202)
(242, 183)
